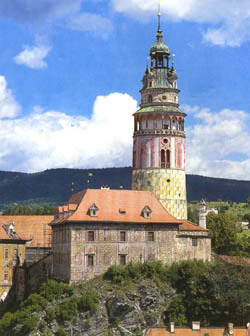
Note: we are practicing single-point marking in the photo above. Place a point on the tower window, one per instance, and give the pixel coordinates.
(168, 158)
(165, 158)
(155, 124)
(165, 124)
(5, 275)
(150, 99)
(165, 141)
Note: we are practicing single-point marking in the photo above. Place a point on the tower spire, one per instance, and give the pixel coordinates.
(159, 34)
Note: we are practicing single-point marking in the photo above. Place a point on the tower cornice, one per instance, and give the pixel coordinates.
(163, 88)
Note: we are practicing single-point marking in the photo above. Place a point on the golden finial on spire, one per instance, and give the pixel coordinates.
(159, 16)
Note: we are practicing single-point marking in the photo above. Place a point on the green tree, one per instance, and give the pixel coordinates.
(176, 311)
(248, 201)
(223, 231)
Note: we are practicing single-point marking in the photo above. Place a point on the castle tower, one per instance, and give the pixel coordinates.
(159, 137)
(202, 214)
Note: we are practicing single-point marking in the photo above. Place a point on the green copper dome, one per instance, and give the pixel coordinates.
(159, 47)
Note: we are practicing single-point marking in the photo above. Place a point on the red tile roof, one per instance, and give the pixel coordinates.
(109, 202)
(189, 332)
(35, 227)
(189, 226)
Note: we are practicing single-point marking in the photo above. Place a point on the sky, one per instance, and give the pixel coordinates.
(70, 75)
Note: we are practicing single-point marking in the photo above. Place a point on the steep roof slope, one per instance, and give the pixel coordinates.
(118, 206)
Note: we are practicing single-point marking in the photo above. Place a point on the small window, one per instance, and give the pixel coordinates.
(122, 236)
(155, 124)
(164, 97)
(90, 260)
(123, 259)
(91, 235)
(93, 210)
(6, 253)
(146, 211)
(151, 236)
(194, 242)
(5, 275)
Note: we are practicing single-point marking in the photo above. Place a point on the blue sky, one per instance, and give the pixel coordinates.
(71, 73)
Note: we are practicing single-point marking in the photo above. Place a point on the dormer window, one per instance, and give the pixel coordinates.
(146, 212)
(93, 210)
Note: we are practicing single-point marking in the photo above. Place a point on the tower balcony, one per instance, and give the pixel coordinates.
(160, 132)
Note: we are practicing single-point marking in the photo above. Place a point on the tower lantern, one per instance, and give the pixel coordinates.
(159, 136)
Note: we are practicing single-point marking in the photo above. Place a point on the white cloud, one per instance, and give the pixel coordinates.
(33, 57)
(216, 141)
(9, 108)
(52, 139)
(92, 23)
(231, 18)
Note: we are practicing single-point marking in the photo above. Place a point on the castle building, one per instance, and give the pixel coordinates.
(12, 254)
(159, 136)
(98, 228)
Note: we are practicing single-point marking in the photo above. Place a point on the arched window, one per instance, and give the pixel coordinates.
(163, 158)
(150, 99)
(168, 159)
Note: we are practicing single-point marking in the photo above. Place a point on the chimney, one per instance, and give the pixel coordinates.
(172, 327)
(230, 328)
(196, 326)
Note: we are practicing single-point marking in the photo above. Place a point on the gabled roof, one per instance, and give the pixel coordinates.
(189, 226)
(109, 202)
(31, 227)
(8, 233)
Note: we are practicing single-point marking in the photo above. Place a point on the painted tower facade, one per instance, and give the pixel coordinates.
(159, 136)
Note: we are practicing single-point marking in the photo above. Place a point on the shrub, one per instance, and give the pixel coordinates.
(30, 322)
(67, 310)
(89, 302)
(50, 316)
(52, 290)
(34, 302)
(61, 332)
(7, 323)
(115, 321)
(116, 274)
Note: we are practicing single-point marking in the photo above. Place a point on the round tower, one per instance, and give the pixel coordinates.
(159, 137)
